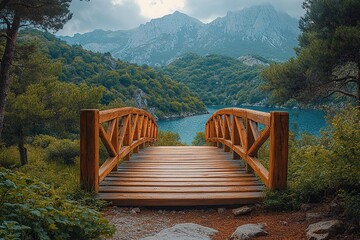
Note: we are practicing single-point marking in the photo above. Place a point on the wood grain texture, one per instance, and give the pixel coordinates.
(181, 176)
(244, 132)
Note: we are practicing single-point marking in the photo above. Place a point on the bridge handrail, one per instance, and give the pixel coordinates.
(238, 129)
(121, 130)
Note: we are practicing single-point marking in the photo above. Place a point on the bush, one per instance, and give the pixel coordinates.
(326, 166)
(350, 203)
(32, 210)
(9, 157)
(168, 138)
(43, 141)
(199, 139)
(63, 150)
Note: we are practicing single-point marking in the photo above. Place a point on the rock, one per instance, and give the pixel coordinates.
(315, 216)
(305, 207)
(136, 210)
(284, 223)
(241, 211)
(249, 231)
(323, 230)
(132, 211)
(184, 231)
(221, 210)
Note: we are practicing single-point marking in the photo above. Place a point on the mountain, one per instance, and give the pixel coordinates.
(219, 80)
(124, 84)
(259, 30)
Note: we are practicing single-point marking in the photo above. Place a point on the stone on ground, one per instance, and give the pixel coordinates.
(248, 231)
(323, 230)
(242, 210)
(184, 231)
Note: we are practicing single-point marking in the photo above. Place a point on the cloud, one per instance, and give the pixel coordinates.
(103, 14)
(206, 10)
(127, 14)
(158, 8)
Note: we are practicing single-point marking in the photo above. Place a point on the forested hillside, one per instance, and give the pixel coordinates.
(218, 80)
(124, 83)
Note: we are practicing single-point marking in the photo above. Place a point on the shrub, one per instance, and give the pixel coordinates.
(32, 210)
(199, 139)
(322, 167)
(63, 150)
(43, 141)
(9, 157)
(168, 138)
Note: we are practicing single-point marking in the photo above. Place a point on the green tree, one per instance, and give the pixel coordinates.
(328, 56)
(40, 104)
(199, 139)
(168, 138)
(16, 14)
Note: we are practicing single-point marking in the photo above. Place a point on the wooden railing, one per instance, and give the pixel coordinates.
(238, 129)
(121, 130)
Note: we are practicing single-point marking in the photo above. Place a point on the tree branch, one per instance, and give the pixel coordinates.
(342, 92)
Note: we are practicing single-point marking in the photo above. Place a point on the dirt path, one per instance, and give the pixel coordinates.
(130, 225)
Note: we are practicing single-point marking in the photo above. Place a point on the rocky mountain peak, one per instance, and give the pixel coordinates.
(259, 30)
(262, 22)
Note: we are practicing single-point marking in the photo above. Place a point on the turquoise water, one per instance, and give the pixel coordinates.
(301, 120)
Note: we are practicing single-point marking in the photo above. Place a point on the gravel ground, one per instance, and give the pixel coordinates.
(130, 225)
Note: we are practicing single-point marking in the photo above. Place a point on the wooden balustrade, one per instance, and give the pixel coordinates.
(238, 129)
(121, 130)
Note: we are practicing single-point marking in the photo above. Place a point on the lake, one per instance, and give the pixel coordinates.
(301, 120)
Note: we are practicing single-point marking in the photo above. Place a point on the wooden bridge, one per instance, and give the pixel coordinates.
(230, 171)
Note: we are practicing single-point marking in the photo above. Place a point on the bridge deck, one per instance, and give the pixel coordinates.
(181, 176)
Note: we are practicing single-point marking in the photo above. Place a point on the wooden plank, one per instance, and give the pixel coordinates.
(182, 175)
(250, 182)
(179, 179)
(181, 199)
(192, 189)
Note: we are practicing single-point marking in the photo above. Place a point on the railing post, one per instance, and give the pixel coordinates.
(249, 141)
(115, 141)
(227, 135)
(279, 138)
(218, 123)
(127, 139)
(89, 149)
(235, 137)
(136, 134)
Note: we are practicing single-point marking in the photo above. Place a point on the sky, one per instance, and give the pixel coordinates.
(128, 14)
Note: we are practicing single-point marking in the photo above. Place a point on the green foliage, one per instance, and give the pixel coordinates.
(63, 150)
(167, 138)
(350, 203)
(32, 210)
(327, 62)
(218, 80)
(9, 156)
(325, 166)
(199, 139)
(125, 84)
(281, 200)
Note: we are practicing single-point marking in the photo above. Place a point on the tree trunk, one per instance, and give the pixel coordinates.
(21, 147)
(358, 88)
(5, 66)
